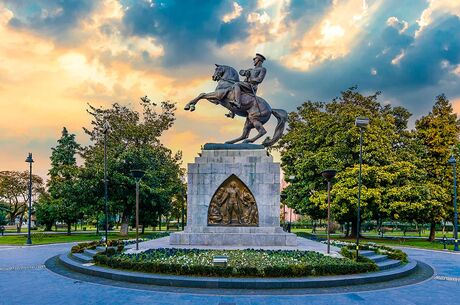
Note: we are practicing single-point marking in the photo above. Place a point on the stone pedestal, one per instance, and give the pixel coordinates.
(256, 169)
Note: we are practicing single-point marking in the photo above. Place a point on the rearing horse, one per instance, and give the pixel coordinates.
(256, 110)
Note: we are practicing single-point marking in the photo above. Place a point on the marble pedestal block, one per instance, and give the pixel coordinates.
(256, 169)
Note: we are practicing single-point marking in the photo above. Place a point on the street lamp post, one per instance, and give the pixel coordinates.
(30, 161)
(362, 123)
(106, 130)
(184, 197)
(291, 180)
(137, 174)
(329, 174)
(453, 162)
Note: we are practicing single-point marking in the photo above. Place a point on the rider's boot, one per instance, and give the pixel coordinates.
(236, 104)
(237, 98)
(231, 115)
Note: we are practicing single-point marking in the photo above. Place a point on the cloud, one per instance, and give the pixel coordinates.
(410, 69)
(50, 18)
(331, 38)
(187, 29)
(237, 9)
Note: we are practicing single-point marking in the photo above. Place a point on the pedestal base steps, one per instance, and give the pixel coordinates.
(236, 236)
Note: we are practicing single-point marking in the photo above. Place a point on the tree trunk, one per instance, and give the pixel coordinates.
(347, 228)
(19, 225)
(143, 229)
(124, 225)
(69, 227)
(432, 231)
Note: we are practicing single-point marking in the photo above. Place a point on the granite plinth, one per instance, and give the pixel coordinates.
(256, 169)
(234, 239)
(225, 146)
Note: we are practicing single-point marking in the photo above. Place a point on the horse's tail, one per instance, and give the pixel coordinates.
(282, 116)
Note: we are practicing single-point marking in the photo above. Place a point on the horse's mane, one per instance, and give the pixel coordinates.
(232, 74)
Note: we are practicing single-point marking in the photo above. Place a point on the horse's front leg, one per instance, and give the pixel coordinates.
(191, 105)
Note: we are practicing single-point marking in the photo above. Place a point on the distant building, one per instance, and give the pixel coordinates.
(287, 214)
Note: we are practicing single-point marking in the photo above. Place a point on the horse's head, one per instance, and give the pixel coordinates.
(226, 73)
(218, 73)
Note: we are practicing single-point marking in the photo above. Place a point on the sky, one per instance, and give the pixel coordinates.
(56, 56)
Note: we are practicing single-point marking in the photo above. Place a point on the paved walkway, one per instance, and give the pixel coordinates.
(24, 280)
(304, 245)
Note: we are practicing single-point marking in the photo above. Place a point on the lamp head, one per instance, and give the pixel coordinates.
(106, 127)
(137, 174)
(29, 158)
(452, 160)
(361, 122)
(329, 174)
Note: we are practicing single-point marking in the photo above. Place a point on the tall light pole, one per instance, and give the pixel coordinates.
(453, 162)
(362, 123)
(184, 198)
(137, 174)
(291, 180)
(328, 174)
(30, 161)
(106, 130)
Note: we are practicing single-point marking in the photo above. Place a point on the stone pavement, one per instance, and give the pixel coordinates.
(29, 283)
(303, 245)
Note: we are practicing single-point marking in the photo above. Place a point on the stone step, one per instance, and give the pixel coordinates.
(90, 253)
(377, 258)
(102, 249)
(366, 253)
(81, 258)
(388, 264)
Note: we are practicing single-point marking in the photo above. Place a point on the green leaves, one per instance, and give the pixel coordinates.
(133, 142)
(405, 173)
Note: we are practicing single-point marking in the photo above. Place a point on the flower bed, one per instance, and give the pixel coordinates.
(241, 263)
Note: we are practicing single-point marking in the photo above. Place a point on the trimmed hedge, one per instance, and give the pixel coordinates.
(242, 263)
(350, 252)
(118, 243)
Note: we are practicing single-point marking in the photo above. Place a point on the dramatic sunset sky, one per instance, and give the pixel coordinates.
(58, 55)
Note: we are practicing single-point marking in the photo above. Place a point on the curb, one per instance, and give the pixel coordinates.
(239, 283)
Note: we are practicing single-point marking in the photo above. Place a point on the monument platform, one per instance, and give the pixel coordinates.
(233, 199)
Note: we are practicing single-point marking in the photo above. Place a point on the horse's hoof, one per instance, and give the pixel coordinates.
(192, 108)
(246, 141)
(187, 107)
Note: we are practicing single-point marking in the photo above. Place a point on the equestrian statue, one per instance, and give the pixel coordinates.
(240, 98)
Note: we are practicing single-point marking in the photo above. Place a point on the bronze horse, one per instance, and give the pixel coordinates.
(256, 110)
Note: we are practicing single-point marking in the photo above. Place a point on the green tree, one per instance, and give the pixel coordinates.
(322, 135)
(438, 133)
(14, 192)
(62, 186)
(133, 142)
(46, 211)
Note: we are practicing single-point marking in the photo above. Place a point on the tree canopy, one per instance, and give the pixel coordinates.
(396, 183)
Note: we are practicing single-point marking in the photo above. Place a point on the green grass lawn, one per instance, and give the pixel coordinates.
(395, 233)
(43, 238)
(417, 243)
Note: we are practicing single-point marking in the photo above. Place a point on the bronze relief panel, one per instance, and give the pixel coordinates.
(233, 204)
